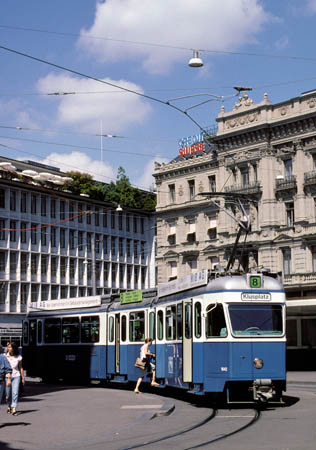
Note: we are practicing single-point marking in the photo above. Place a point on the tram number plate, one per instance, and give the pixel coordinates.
(70, 357)
(254, 281)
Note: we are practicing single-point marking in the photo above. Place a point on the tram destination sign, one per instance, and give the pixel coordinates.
(131, 297)
(253, 297)
(80, 302)
(184, 283)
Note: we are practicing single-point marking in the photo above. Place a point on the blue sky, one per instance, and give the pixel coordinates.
(143, 46)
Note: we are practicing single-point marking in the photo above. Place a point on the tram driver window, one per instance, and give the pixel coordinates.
(137, 326)
(171, 322)
(215, 321)
(70, 330)
(52, 331)
(90, 329)
(197, 320)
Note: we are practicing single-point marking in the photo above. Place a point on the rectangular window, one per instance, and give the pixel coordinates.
(71, 239)
(2, 229)
(43, 205)
(244, 172)
(80, 239)
(23, 233)
(120, 221)
(62, 238)
(53, 237)
(2, 198)
(172, 193)
(13, 263)
(52, 331)
(172, 233)
(114, 272)
(287, 262)
(33, 204)
(23, 202)
(112, 219)
(137, 326)
(24, 293)
(72, 267)
(34, 233)
(142, 225)
(191, 184)
(88, 214)
(106, 273)
(34, 263)
(173, 271)
(128, 247)
(90, 329)
(121, 247)
(24, 263)
(89, 242)
(212, 229)
(135, 225)
(2, 261)
(136, 249)
(12, 230)
(289, 206)
(170, 319)
(288, 167)
(70, 330)
(113, 245)
(53, 266)
(128, 223)
(63, 266)
(71, 211)
(105, 218)
(44, 292)
(105, 244)
(12, 200)
(80, 212)
(53, 207)
(62, 210)
(44, 264)
(97, 216)
(44, 236)
(212, 183)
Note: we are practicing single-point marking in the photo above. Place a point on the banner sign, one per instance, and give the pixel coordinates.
(81, 302)
(131, 297)
(194, 144)
(184, 283)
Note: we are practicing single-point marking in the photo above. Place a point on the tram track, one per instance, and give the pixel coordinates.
(201, 444)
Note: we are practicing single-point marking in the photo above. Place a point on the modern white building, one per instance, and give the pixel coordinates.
(56, 245)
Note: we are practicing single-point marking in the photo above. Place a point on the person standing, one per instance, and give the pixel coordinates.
(12, 390)
(5, 372)
(147, 356)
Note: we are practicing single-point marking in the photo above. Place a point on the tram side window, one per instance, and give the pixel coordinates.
(90, 329)
(152, 333)
(39, 331)
(215, 321)
(197, 320)
(137, 326)
(160, 325)
(123, 329)
(111, 329)
(25, 333)
(32, 332)
(52, 331)
(70, 330)
(171, 322)
(179, 320)
(188, 321)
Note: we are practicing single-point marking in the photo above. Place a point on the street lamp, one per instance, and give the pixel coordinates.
(196, 61)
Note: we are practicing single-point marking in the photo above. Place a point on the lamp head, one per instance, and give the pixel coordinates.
(196, 61)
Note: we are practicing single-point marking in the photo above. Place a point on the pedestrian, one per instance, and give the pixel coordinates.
(12, 390)
(147, 356)
(5, 372)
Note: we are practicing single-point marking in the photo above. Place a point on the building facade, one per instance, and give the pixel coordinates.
(267, 153)
(56, 245)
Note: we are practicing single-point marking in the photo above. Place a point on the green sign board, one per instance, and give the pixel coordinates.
(255, 281)
(131, 297)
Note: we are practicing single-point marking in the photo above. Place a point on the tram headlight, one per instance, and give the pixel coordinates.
(258, 363)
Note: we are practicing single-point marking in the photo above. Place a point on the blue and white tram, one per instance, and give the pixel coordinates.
(227, 336)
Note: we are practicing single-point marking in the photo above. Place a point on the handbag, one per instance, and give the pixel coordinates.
(140, 364)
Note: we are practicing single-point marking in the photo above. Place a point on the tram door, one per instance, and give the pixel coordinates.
(117, 343)
(187, 341)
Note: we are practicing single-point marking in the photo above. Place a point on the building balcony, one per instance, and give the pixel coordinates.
(249, 188)
(285, 184)
(299, 279)
(310, 179)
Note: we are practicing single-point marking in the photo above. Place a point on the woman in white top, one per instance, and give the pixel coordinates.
(146, 355)
(12, 391)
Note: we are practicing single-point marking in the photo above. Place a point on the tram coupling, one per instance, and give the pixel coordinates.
(263, 390)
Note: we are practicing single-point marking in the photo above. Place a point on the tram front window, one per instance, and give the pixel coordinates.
(256, 320)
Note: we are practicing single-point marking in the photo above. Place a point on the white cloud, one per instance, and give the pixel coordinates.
(78, 161)
(217, 25)
(311, 6)
(282, 43)
(147, 181)
(117, 109)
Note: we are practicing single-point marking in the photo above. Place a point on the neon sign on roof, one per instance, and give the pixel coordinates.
(193, 144)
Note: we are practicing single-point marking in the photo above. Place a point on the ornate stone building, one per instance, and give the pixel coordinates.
(266, 152)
